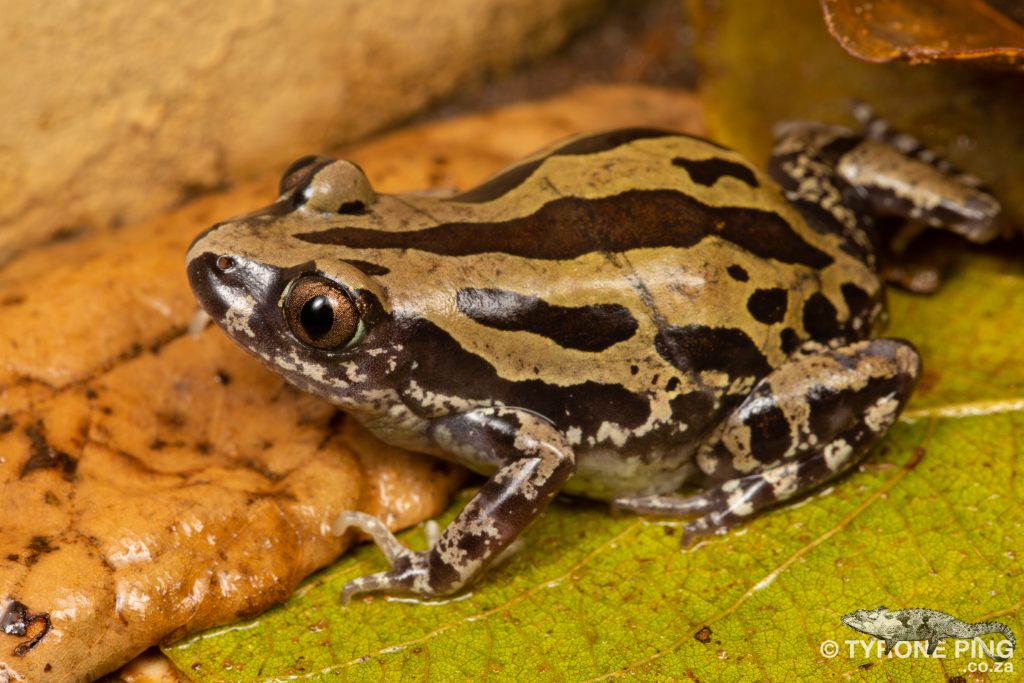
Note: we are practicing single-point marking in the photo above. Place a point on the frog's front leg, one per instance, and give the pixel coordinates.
(533, 462)
(803, 424)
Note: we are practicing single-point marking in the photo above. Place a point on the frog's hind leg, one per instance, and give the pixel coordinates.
(902, 177)
(877, 128)
(842, 181)
(805, 423)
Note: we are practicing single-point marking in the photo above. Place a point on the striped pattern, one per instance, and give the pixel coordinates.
(614, 283)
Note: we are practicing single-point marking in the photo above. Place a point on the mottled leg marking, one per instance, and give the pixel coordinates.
(877, 128)
(533, 462)
(904, 178)
(805, 423)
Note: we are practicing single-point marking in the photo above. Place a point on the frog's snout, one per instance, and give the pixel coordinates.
(206, 275)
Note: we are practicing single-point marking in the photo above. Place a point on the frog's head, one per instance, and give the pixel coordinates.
(310, 314)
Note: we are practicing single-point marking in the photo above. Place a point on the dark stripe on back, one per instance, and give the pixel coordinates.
(698, 348)
(570, 227)
(367, 267)
(585, 328)
(707, 172)
(507, 180)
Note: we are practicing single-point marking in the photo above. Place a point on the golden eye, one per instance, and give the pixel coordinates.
(320, 313)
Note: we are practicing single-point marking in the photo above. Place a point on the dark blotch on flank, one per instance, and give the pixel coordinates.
(790, 340)
(857, 300)
(708, 171)
(820, 318)
(696, 348)
(586, 328)
(367, 267)
(511, 178)
(696, 410)
(768, 305)
(738, 273)
(569, 227)
(586, 405)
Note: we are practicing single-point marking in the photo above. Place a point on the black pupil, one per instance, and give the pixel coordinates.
(317, 317)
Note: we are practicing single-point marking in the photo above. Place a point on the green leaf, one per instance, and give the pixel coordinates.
(931, 520)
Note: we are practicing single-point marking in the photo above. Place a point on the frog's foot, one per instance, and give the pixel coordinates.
(918, 269)
(731, 503)
(408, 566)
(802, 425)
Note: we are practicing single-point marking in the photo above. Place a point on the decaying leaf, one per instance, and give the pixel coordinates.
(156, 482)
(922, 32)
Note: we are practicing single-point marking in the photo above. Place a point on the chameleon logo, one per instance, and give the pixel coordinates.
(923, 624)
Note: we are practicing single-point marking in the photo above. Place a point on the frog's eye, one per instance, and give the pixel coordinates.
(320, 313)
(339, 187)
(300, 170)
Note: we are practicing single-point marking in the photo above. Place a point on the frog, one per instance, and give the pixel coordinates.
(637, 316)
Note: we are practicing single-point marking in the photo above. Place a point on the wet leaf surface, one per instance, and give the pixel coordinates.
(932, 519)
(925, 31)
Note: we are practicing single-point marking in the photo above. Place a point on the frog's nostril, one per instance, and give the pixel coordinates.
(225, 263)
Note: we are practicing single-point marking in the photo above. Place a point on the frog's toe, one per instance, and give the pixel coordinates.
(408, 576)
(699, 529)
(364, 584)
(376, 529)
(665, 505)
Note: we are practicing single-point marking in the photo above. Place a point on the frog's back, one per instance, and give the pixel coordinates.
(625, 285)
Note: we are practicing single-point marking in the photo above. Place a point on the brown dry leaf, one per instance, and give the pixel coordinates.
(921, 31)
(156, 482)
